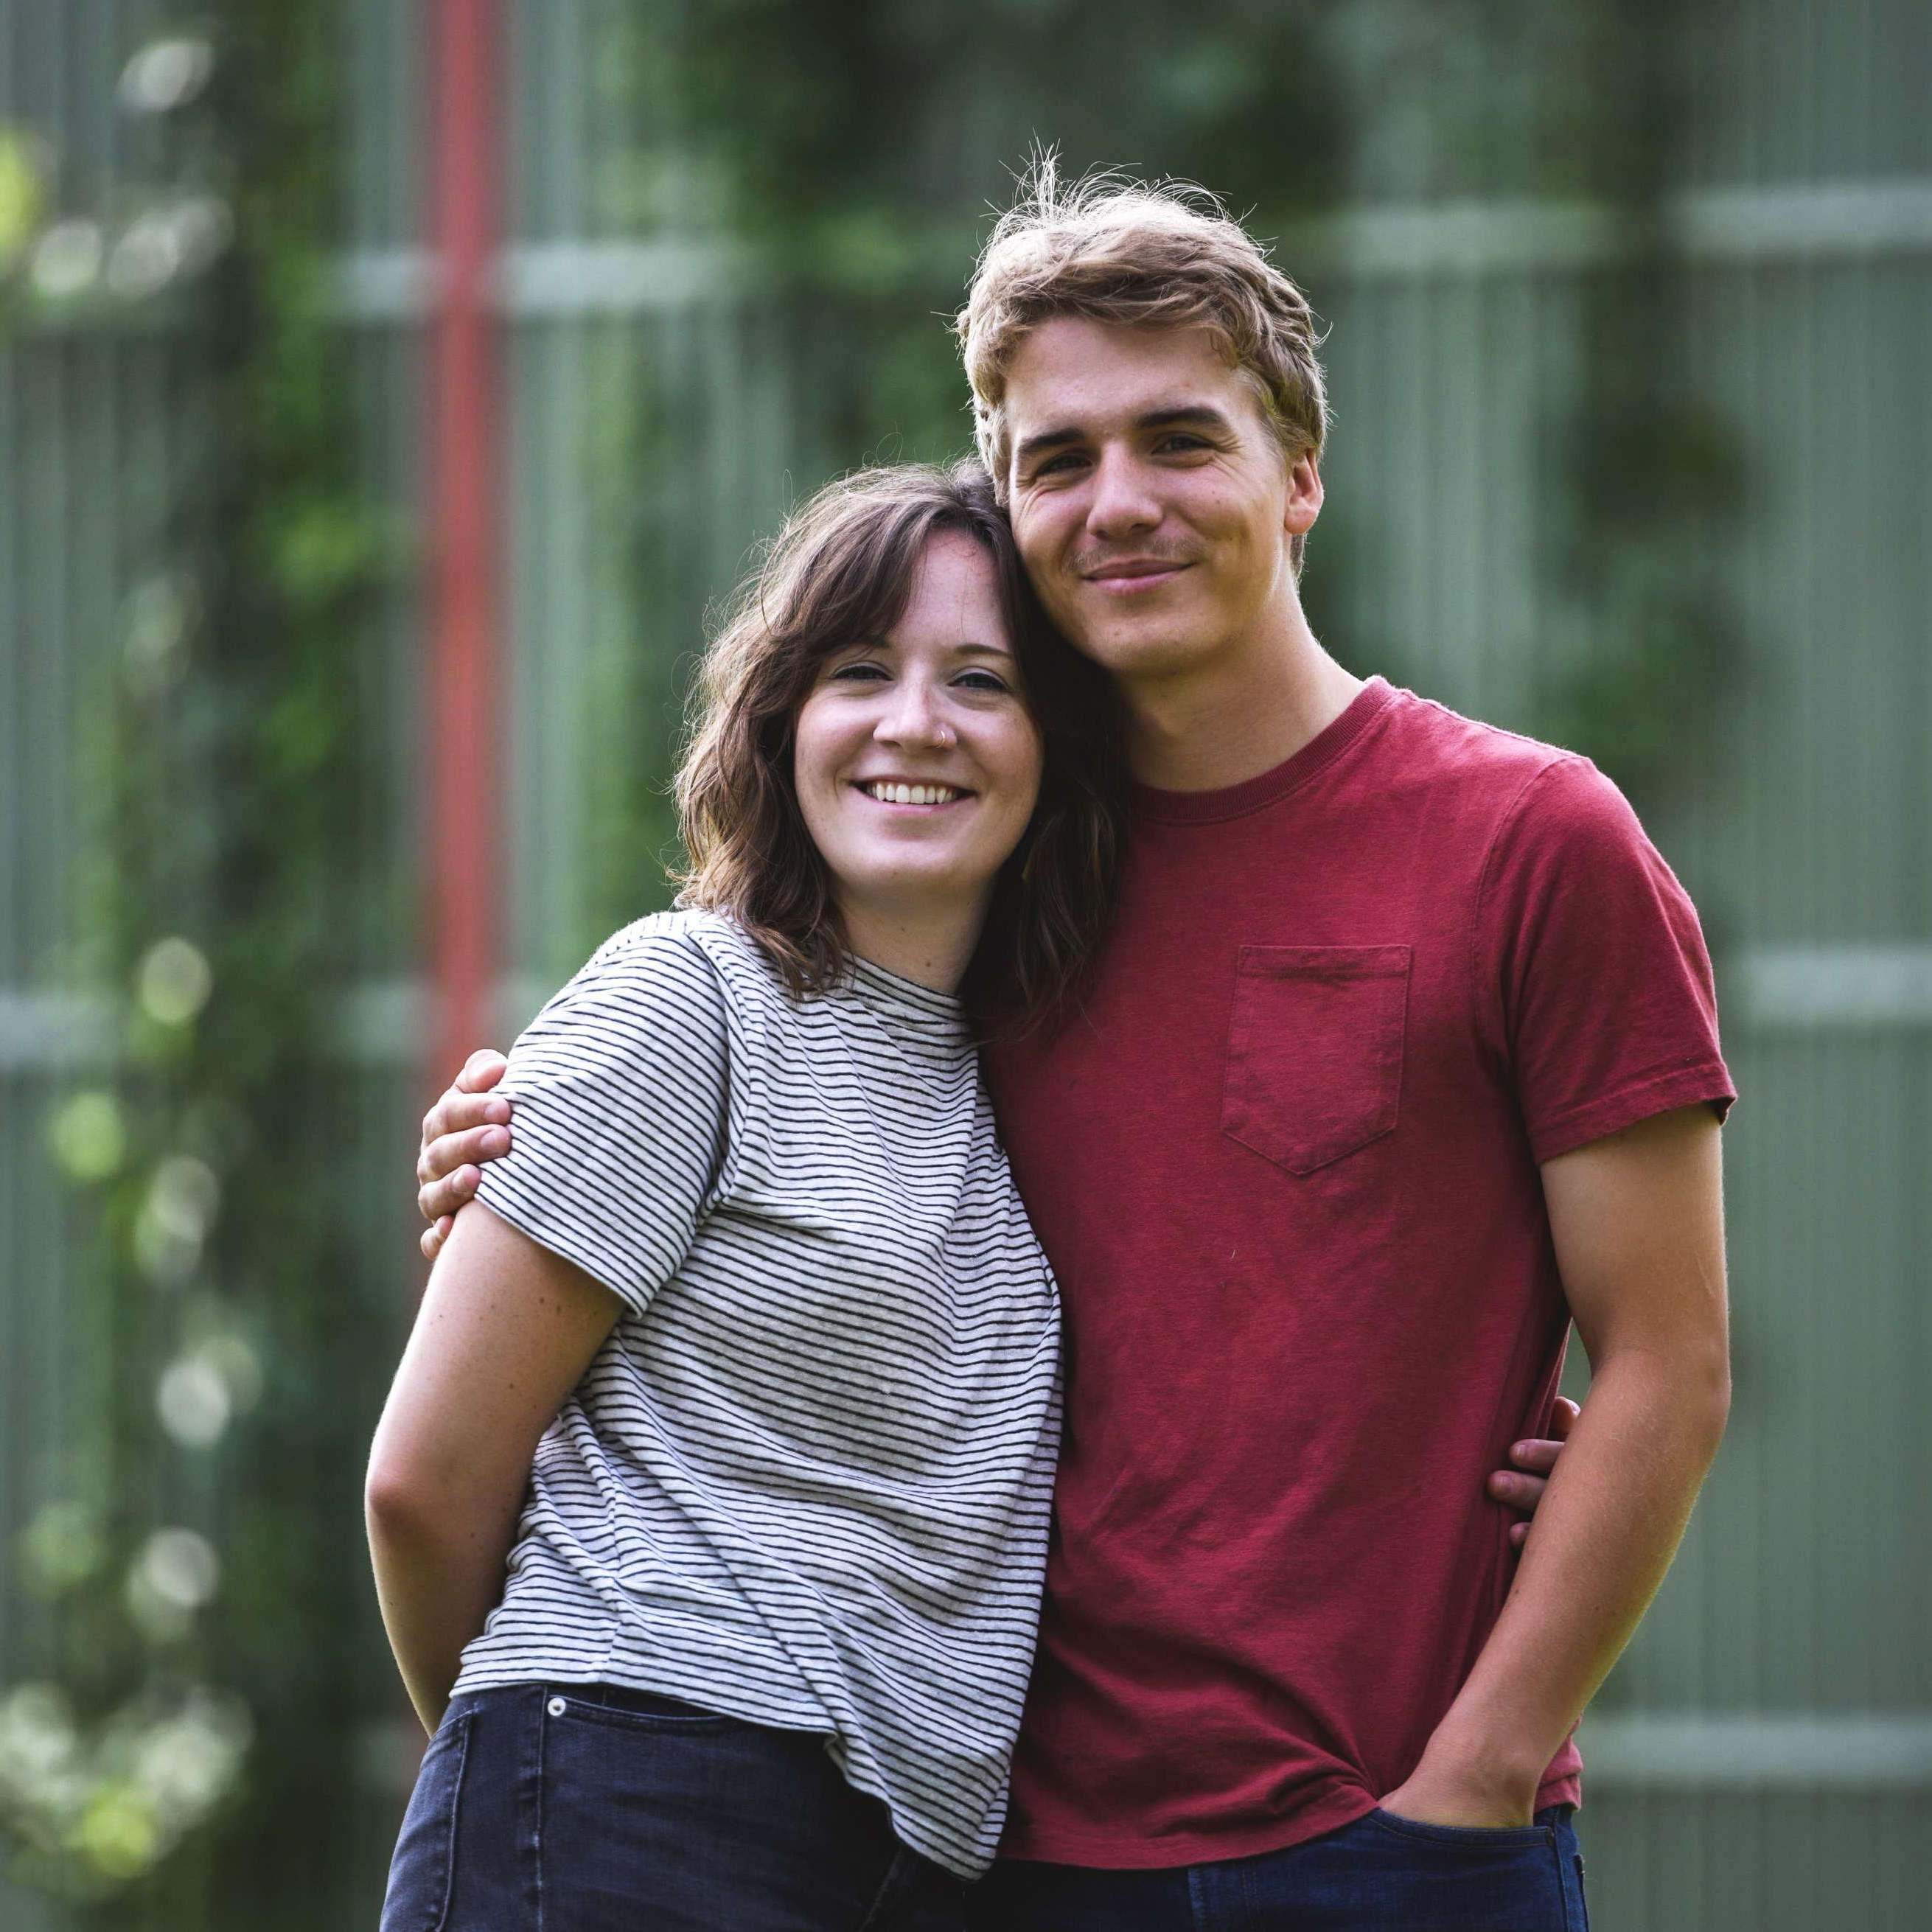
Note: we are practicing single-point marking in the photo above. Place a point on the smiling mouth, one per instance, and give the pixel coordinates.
(1135, 577)
(885, 791)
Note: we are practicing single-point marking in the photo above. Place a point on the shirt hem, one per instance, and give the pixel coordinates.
(1172, 1851)
(909, 1830)
(1177, 1851)
(510, 1676)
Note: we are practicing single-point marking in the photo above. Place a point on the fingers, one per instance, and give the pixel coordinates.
(1521, 1486)
(466, 1102)
(456, 1113)
(1515, 1491)
(1538, 1455)
(432, 1238)
(436, 1199)
(468, 1124)
(481, 1070)
(448, 1152)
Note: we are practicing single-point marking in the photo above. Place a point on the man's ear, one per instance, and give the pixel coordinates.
(1304, 503)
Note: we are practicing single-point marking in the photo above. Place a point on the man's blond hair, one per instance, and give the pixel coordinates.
(1155, 255)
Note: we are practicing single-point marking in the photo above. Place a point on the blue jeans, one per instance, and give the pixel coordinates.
(573, 1807)
(1380, 1874)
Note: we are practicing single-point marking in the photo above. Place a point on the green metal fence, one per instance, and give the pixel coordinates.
(1762, 1759)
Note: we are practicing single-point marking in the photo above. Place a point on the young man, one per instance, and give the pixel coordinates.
(1402, 1053)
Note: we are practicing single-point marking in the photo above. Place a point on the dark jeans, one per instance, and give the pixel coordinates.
(1380, 1874)
(575, 1808)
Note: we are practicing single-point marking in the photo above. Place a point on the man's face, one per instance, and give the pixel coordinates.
(1152, 500)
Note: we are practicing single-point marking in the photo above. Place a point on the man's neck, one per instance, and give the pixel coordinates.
(1251, 708)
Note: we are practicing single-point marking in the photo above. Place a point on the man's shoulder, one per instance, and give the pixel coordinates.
(1495, 783)
(1441, 745)
(1534, 814)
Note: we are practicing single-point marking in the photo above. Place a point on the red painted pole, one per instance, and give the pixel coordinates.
(464, 506)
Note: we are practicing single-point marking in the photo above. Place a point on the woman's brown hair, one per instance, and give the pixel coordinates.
(840, 570)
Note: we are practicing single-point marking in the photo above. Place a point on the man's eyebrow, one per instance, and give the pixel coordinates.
(1048, 439)
(1201, 415)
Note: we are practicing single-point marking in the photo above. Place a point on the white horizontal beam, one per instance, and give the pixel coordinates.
(1820, 218)
(1798, 987)
(55, 1032)
(1757, 1751)
(551, 281)
(1690, 1752)
(1807, 222)
(382, 1022)
(1464, 238)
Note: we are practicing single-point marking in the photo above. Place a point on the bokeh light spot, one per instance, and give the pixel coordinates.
(174, 981)
(67, 259)
(193, 1400)
(61, 1546)
(88, 1137)
(166, 74)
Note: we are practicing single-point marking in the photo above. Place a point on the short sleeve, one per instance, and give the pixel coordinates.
(1593, 967)
(619, 1090)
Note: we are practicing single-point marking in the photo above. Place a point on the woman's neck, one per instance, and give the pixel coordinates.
(929, 945)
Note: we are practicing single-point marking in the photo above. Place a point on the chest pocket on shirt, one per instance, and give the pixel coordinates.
(1315, 1051)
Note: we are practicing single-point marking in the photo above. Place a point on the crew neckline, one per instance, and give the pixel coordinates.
(1207, 808)
(921, 1014)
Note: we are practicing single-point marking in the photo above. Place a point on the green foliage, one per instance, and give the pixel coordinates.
(860, 149)
(204, 1584)
(1656, 478)
(198, 1593)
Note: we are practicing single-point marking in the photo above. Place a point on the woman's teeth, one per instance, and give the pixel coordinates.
(912, 794)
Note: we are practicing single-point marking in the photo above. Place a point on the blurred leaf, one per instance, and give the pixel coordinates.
(87, 1136)
(22, 195)
(63, 1545)
(324, 549)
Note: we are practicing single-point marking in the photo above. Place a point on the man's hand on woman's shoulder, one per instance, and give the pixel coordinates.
(467, 1126)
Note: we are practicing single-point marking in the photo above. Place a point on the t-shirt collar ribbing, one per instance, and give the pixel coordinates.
(1204, 808)
(918, 1015)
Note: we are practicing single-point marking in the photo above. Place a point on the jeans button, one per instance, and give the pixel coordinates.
(556, 1707)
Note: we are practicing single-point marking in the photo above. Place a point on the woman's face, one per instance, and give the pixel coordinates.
(915, 759)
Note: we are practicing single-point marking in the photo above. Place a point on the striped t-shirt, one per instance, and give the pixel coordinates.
(806, 1481)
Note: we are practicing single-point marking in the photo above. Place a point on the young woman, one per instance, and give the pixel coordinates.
(748, 1369)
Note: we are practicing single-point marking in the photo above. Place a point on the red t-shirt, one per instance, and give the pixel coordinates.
(1285, 1168)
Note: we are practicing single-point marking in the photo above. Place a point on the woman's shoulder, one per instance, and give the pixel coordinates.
(708, 954)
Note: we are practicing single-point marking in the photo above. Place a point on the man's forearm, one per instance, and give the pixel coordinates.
(1615, 1510)
(438, 1576)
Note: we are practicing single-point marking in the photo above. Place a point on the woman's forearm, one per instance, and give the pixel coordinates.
(438, 1574)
